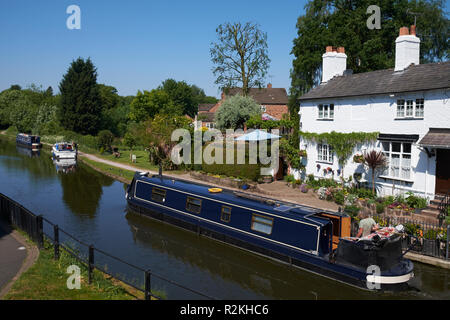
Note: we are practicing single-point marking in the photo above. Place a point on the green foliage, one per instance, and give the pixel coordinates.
(105, 140)
(352, 210)
(416, 202)
(80, 98)
(343, 23)
(339, 197)
(343, 144)
(149, 103)
(129, 140)
(291, 154)
(240, 56)
(243, 171)
(235, 111)
(380, 207)
(256, 122)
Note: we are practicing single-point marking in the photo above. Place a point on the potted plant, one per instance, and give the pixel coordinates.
(318, 167)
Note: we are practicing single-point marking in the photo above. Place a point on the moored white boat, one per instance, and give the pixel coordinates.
(64, 150)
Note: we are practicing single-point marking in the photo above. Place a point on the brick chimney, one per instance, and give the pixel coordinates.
(269, 86)
(407, 48)
(334, 62)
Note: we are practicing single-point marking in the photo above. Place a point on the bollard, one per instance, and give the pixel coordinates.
(91, 263)
(56, 241)
(147, 284)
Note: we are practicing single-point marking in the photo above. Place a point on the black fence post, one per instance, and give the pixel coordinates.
(91, 263)
(147, 285)
(56, 241)
(448, 242)
(40, 232)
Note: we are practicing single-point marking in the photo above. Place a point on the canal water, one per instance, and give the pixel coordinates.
(92, 207)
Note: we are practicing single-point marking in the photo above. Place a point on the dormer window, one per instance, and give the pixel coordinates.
(410, 109)
(326, 111)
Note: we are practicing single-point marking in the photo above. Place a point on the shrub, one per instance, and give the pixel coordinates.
(105, 139)
(380, 207)
(352, 210)
(339, 197)
(416, 202)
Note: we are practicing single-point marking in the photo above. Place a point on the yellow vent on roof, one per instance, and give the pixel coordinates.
(214, 190)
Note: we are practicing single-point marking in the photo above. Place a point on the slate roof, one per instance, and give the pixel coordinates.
(205, 106)
(276, 96)
(206, 116)
(414, 78)
(437, 137)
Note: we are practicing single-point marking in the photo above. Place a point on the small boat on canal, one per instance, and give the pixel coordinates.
(312, 239)
(64, 150)
(28, 141)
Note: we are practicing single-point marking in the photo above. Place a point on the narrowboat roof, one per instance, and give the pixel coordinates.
(273, 206)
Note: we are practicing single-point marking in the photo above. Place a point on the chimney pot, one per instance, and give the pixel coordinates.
(413, 30)
(223, 96)
(269, 85)
(404, 31)
(341, 50)
(329, 49)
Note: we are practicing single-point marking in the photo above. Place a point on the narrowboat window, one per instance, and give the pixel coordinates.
(225, 216)
(193, 205)
(158, 195)
(262, 224)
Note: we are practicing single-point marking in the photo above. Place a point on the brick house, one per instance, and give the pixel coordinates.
(273, 102)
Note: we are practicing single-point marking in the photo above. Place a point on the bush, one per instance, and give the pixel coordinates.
(416, 202)
(105, 139)
(380, 207)
(352, 210)
(339, 197)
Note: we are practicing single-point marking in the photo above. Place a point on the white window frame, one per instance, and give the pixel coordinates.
(325, 111)
(397, 171)
(325, 153)
(410, 108)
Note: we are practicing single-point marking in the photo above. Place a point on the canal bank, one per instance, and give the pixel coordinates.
(104, 166)
(92, 206)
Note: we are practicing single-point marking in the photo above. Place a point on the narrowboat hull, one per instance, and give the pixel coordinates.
(28, 141)
(393, 279)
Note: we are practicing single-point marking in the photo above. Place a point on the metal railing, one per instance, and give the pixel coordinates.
(443, 207)
(424, 238)
(37, 227)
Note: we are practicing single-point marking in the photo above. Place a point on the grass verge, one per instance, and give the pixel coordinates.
(47, 280)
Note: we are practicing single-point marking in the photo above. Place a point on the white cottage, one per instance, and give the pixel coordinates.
(409, 106)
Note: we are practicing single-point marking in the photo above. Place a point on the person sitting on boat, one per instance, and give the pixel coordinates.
(366, 227)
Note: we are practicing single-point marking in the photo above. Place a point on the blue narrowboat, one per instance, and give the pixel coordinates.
(29, 141)
(311, 239)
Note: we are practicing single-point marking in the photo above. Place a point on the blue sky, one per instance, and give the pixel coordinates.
(135, 44)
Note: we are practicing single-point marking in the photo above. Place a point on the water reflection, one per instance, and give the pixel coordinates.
(65, 165)
(91, 206)
(28, 151)
(83, 189)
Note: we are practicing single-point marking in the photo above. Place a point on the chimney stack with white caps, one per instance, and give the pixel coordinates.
(407, 48)
(334, 63)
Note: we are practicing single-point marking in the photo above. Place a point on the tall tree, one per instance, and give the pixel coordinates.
(80, 98)
(240, 56)
(344, 23)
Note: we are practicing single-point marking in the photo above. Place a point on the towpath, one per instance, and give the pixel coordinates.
(277, 189)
